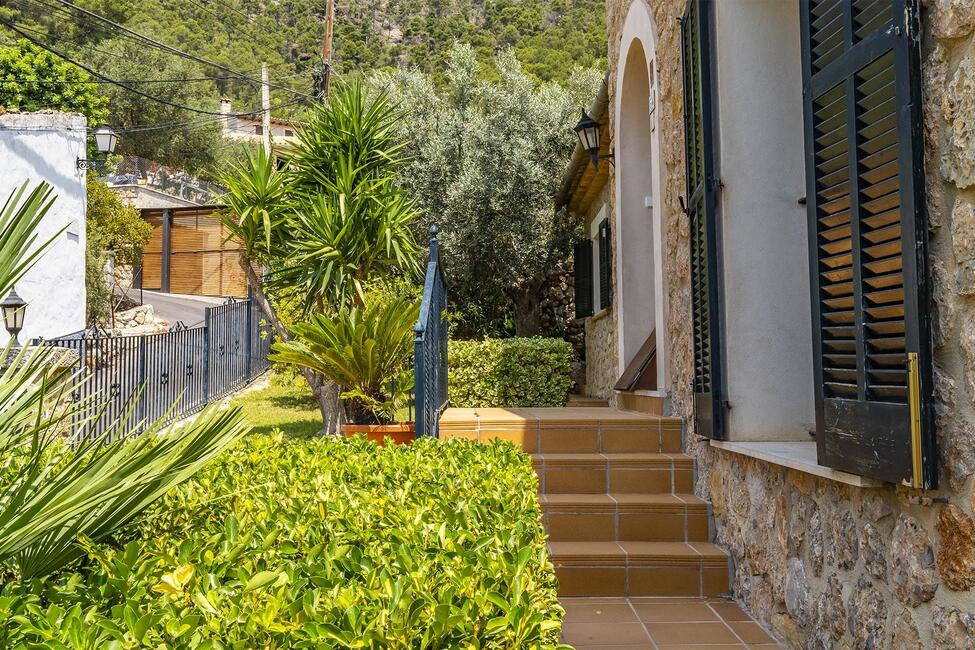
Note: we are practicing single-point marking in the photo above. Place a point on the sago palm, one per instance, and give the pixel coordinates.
(54, 489)
(365, 351)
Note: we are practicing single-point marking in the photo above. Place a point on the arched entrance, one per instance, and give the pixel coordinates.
(639, 212)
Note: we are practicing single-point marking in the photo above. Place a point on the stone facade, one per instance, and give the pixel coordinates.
(824, 564)
(602, 368)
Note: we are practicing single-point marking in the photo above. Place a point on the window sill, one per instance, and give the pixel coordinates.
(599, 315)
(800, 456)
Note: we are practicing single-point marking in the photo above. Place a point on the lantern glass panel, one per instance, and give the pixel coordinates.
(105, 139)
(13, 317)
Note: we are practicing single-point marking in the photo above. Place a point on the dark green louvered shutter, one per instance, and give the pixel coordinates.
(701, 188)
(582, 263)
(868, 238)
(605, 266)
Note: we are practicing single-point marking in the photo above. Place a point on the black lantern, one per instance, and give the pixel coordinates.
(105, 141)
(13, 307)
(588, 131)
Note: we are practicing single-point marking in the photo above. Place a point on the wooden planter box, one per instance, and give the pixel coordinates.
(402, 434)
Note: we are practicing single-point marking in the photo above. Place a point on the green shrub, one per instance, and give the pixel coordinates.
(509, 372)
(321, 543)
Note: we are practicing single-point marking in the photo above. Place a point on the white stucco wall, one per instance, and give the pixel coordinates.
(38, 147)
(768, 341)
(640, 233)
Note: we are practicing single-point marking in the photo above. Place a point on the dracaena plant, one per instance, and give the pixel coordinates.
(366, 351)
(55, 491)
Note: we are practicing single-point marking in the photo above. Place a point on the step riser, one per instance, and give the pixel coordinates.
(642, 580)
(629, 480)
(638, 526)
(580, 440)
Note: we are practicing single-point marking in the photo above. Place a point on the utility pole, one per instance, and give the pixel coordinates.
(327, 48)
(266, 109)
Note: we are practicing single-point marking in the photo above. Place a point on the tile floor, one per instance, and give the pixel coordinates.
(661, 624)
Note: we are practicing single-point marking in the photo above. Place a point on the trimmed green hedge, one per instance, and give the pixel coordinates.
(520, 372)
(321, 543)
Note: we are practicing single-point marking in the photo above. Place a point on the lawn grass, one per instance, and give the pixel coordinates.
(286, 404)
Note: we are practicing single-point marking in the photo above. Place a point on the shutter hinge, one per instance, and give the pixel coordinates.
(714, 183)
(726, 405)
(912, 26)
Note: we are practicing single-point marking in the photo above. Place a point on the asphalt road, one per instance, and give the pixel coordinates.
(176, 307)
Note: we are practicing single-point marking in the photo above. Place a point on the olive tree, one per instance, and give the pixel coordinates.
(488, 155)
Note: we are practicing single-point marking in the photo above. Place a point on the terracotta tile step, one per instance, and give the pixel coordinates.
(623, 516)
(644, 473)
(567, 430)
(695, 569)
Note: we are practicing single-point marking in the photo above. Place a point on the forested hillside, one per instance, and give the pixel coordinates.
(549, 37)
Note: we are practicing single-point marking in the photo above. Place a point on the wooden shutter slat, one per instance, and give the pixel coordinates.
(867, 233)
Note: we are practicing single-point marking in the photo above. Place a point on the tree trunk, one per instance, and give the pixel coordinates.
(326, 393)
(528, 313)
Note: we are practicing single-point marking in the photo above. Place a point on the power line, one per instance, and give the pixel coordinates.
(131, 81)
(172, 50)
(167, 125)
(236, 75)
(95, 73)
(227, 22)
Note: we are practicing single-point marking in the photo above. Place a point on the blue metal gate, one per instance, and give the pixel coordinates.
(167, 375)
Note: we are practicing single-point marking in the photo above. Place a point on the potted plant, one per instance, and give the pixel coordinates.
(366, 351)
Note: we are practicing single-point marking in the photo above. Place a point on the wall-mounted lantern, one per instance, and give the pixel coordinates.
(105, 141)
(13, 307)
(588, 131)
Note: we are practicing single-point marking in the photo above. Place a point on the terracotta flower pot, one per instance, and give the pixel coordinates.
(401, 434)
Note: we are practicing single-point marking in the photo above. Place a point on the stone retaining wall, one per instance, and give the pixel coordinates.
(824, 564)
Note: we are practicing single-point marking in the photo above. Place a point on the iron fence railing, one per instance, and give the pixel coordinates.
(166, 375)
(430, 346)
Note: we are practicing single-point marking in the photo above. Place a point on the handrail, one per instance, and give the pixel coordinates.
(430, 346)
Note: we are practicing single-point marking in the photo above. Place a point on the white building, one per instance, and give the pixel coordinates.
(251, 127)
(46, 146)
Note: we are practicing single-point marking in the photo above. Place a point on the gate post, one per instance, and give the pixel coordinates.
(166, 257)
(250, 326)
(206, 355)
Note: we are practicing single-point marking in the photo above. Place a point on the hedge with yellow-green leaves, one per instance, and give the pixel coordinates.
(320, 543)
(518, 372)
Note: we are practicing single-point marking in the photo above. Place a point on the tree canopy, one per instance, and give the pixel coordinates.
(488, 157)
(32, 79)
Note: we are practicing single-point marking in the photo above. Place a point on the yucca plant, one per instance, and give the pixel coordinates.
(328, 222)
(55, 490)
(365, 351)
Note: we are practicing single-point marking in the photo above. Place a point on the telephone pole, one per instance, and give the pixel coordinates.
(266, 109)
(327, 48)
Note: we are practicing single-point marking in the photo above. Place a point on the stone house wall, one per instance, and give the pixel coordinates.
(824, 564)
(601, 355)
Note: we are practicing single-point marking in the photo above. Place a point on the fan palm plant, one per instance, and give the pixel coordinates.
(365, 351)
(54, 491)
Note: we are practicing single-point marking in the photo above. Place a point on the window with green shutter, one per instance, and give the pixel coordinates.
(582, 265)
(605, 267)
(701, 187)
(868, 238)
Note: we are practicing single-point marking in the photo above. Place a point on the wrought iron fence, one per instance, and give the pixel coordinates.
(430, 346)
(166, 375)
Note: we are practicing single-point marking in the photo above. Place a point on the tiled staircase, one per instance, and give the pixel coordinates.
(616, 495)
